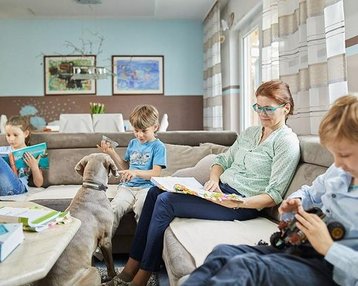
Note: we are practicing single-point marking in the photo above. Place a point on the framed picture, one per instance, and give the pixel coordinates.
(138, 75)
(58, 72)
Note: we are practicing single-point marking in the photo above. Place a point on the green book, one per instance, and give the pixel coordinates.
(16, 161)
(32, 218)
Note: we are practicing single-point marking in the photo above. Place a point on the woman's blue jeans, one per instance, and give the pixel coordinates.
(160, 208)
(10, 184)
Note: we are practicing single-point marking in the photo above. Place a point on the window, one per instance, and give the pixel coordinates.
(251, 75)
(250, 66)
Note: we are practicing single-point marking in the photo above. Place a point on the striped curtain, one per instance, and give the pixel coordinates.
(308, 39)
(213, 102)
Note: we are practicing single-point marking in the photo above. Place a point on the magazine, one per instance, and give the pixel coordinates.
(16, 161)
(190, 186)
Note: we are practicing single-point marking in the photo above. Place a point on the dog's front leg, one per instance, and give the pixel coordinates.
(106, 248)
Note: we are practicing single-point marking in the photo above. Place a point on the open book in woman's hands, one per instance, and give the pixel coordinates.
(190, 186)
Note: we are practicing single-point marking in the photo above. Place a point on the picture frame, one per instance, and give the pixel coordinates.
(58, 71)
(137, 75)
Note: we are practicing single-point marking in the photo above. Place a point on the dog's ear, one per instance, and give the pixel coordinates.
(112, 168)
(80, 166)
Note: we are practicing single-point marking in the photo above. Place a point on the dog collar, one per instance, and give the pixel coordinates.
(95, 186)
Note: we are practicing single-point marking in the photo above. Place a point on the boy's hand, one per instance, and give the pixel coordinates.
(106, 147)
(290, 205)
(127, 175)
(315, 230)
(30, 160)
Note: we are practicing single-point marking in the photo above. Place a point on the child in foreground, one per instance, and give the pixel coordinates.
(18, 134)
(323, 261)
(144, 158)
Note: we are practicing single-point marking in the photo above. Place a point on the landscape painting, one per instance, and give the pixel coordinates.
(138, 74)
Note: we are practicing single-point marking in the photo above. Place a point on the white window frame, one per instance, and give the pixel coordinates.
(248, 24)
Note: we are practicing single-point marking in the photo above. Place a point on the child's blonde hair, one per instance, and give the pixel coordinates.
(341, 121)
(23, 123)
(144, 116)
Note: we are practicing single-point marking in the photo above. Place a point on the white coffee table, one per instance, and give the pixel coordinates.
(39, 251)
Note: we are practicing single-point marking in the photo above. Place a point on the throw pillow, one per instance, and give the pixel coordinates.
(216, 148)
(183, 156)
(201, 171)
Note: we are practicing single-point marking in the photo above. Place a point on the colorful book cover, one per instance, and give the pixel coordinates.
(190, 186)
(16, 161)
(11, 236)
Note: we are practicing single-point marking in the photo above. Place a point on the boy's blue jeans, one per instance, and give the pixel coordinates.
(160, 208)
(260, 265)
(10, 184)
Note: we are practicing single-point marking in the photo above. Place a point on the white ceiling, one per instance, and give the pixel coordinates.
(114, 9)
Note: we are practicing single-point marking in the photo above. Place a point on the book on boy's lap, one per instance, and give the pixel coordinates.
(190, 186)
(11, 236)
(16, 161)
(32, 218)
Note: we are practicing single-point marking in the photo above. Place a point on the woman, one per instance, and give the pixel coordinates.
(258, 167)
(324, 261)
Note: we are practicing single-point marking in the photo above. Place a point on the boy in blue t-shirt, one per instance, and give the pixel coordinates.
(145, 158)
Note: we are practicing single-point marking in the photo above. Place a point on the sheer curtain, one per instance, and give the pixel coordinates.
(304, 45)
(213, 102)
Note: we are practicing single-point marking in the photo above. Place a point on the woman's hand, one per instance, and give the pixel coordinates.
(290, 205)
(30, 161)
(127, 175)
(315, 230)
(212, 186)
(106, 147)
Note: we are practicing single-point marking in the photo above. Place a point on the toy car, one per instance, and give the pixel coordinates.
(289, 234)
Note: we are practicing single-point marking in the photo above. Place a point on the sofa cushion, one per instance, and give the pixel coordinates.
(187, 249)
(62, 166)
(183, 156)
(216, 148)
(201, 171)
(313, 152)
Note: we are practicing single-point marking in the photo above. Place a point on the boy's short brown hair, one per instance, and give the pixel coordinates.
(341, 121)
(144, 116)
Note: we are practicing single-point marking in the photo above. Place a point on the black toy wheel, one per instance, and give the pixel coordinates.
(276, 240)
(336, 230)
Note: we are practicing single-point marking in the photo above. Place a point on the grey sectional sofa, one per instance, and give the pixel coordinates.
(184, 149)
(190, 153)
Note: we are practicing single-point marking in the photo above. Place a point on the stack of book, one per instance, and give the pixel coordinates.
(32, 218)
(11, 236)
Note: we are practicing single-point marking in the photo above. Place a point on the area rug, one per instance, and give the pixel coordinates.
(153, 281)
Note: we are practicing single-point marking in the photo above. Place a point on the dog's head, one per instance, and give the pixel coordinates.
(97, 167)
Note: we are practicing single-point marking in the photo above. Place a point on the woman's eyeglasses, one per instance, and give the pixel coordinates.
(268, 110)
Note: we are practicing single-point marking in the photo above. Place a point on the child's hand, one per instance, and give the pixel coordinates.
(315, 230)
(106, 147)
(30, 160)
(290, 205)
(127, 175)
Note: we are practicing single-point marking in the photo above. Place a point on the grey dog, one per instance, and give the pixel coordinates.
(92, 207)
